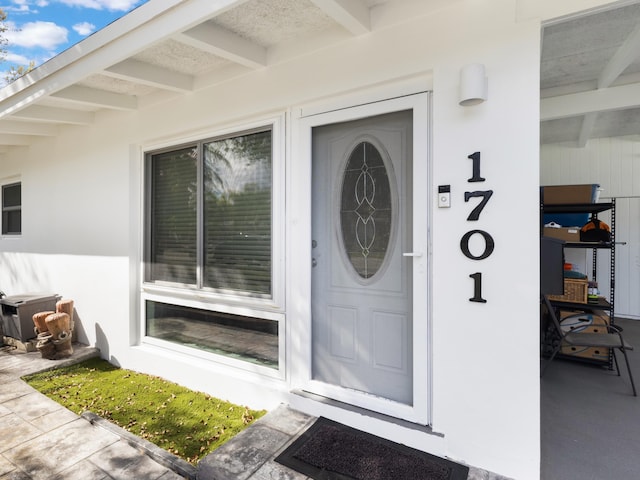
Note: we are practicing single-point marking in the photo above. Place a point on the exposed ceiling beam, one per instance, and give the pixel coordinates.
(353, 15)
(576, 104)
(147, 74)
(54, 115)
(223, 43)
(588, 122)
(26, 128)
(624, 56)
(97, 98)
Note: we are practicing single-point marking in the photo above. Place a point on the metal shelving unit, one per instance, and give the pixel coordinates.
(594, 209)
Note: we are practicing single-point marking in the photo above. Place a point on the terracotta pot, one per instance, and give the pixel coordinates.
(39, 321)
(66, 306)
(57, 323)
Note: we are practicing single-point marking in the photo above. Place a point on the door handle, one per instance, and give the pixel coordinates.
(412, 254)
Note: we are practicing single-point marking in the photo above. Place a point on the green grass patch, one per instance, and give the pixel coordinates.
(186, 423)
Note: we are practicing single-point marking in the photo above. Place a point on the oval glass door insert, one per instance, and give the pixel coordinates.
(366, 210)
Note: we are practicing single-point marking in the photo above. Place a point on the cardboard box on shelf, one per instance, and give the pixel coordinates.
(567, 194)
(569, 234)
(579, 320)
(592, 353)
(583, 322)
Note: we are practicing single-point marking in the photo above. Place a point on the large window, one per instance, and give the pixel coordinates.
(209, 215)
(209, 233)
(12, 209)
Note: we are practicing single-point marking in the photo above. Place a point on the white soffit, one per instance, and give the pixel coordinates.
(178, 57)
(175, 47)
(270, 22)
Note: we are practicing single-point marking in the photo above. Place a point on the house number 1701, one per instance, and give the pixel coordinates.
(474, 216)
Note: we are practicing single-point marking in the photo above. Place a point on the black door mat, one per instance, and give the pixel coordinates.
(331, 451)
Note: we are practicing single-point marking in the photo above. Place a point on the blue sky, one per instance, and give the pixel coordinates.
(40, 29)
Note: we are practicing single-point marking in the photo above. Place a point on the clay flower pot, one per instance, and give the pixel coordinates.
(58, 323)
(40, 323)
(66, 306)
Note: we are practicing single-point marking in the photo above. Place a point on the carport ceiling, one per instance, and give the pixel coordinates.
(590, 76)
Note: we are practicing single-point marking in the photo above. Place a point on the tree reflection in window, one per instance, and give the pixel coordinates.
(237, 213)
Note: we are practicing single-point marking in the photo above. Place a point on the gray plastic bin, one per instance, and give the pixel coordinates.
(18, 310)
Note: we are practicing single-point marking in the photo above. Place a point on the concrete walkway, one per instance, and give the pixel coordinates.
(41, 440)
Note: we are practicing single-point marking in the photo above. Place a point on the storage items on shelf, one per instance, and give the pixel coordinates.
(580, 295)
(575, 290)
(585, 322)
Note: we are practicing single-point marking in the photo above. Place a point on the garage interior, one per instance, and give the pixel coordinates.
(590, 134)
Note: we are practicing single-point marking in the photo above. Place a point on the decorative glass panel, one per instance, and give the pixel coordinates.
(365, 212)
(173, 216)
(237, 213)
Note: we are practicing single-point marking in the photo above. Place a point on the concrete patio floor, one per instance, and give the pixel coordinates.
(41, 440)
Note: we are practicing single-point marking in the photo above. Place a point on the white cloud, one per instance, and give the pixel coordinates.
(24, 6)
(46, 35)
(17, 59)
(18, 8)
(84, 28)
(122, 5)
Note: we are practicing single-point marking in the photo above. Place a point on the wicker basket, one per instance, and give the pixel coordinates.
(575, 290)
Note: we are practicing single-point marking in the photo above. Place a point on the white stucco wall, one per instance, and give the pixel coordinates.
(82, 224)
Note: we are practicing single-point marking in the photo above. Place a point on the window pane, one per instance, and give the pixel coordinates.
(250, 339)
(173, 216)
(11, 209)
(11, 222)
(237, 213)
(11, 195)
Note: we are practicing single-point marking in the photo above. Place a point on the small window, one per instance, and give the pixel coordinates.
(253, 340)
(12, 209)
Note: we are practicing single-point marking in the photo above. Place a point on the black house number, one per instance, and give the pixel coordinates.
(474, 216)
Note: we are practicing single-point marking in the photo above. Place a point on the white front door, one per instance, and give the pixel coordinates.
(364, 256)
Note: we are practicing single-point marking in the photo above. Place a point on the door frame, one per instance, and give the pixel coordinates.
(299, 253)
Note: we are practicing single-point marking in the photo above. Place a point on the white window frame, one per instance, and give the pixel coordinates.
(272, 308)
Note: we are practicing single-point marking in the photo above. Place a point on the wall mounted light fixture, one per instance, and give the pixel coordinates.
(473, 84)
